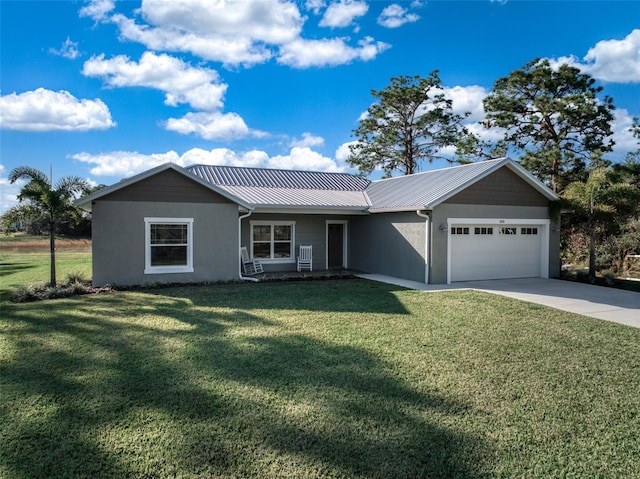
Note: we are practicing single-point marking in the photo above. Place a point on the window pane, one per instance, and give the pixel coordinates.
(282, 232)
(282, 250)
(261, 233)
(168, 255)
(261, 250)
(168, 234)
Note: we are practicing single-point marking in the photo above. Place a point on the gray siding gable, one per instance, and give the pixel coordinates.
(167, 186)
(86, 202)
(502, 187)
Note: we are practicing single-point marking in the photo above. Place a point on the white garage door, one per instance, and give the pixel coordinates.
(495, 251)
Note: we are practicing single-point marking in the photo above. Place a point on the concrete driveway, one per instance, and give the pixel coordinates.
(595, 301)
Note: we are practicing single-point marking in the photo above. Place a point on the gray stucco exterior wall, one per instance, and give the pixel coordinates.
(119, 241)
(310, 229)
(390, 244)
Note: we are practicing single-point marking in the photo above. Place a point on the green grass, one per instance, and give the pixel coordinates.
(26, 261)
(344, 378)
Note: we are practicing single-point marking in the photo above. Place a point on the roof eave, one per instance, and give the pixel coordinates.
(309, 209)
(400, 209)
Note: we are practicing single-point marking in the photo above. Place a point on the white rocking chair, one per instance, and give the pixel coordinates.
(305, 258)
(249, 265)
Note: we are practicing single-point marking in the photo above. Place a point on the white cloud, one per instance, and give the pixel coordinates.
(211, 125)
(240, 32)
(231, 50)
(303, 158)
(308, 140)
(181, 83)
(124, 163)
(97, 9)
(46, 110)
(328, 52)
(69, 49)
(467, 98)
(232, 32)
(344, 152)
(224, 156)
(615, 61)
(8, 192)
(269, 21)
(625, 141)
(343, 13)
(315, 6)
(121, 164)
(395, 16)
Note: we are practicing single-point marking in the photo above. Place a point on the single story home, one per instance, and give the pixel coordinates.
(484, 220)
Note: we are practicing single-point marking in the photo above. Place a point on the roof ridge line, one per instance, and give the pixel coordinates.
(273, 169)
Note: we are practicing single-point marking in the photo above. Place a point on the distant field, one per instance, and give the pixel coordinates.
(25, 260)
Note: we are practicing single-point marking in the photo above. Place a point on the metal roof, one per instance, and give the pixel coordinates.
(291, 189)
(423, 189)
(284, 179)
(260, 196)
(428, 189)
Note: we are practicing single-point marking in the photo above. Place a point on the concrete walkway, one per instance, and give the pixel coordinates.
(598, 302)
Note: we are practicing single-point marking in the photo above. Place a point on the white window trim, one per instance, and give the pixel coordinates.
(543, 229)
(148, 269)
(292, 259)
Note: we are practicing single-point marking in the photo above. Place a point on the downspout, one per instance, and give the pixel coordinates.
(427, 244)
(240, 277)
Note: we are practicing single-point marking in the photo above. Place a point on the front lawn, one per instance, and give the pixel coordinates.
(25, 260)
(344, 378)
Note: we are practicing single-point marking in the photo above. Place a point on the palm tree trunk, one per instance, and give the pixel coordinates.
(592, 252)
(52, 250)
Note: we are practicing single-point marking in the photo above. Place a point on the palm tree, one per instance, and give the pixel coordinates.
(600, 199)
(48, 203)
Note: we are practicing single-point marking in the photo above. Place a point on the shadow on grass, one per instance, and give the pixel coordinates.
(336, 296)
(101, 390)
(9, 268)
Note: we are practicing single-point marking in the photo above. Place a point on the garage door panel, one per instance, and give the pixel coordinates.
(495, 256)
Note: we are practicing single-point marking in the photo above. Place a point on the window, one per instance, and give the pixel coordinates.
(483, 231)
(459, 231)
(273, 241)
(508, 231)
(529, 231)
(168, 245)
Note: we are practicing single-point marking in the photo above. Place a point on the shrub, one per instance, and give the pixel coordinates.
(75, 284)
(28, 293)
(76, 277)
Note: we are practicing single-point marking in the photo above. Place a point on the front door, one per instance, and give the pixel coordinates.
(335, 245)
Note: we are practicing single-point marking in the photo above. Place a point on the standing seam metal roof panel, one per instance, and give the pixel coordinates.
(423, 189)
(267, 178)
(295, 197)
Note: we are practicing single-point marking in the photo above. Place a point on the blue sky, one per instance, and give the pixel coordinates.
(104, 89)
